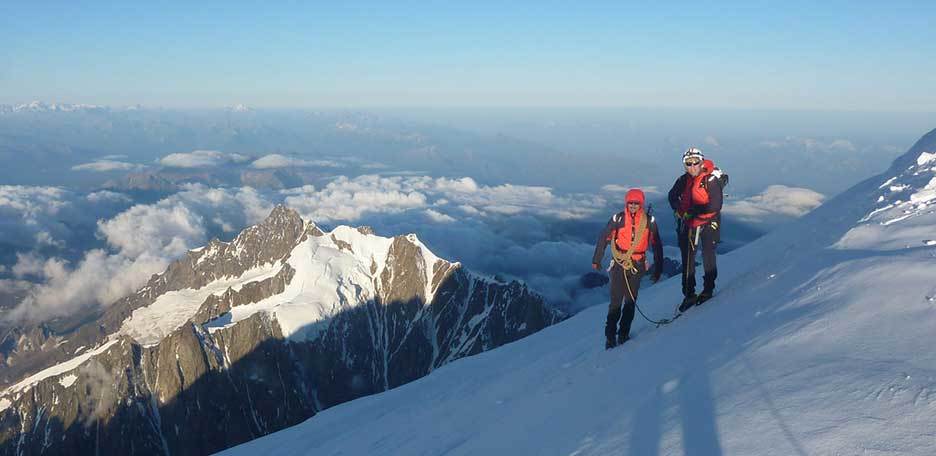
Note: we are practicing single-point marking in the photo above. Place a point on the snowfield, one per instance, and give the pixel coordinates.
(819, 341)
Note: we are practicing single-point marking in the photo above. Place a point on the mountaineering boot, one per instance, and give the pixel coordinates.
(704, 296)
(622, 338)
(609, 344)
(688, 302)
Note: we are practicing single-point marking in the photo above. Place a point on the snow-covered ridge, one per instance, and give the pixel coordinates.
(53, 371)
(333, 273)
(148, 325)
(907, 198)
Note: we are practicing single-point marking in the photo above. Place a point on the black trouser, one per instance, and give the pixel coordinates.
(708, 239)
(624, 287)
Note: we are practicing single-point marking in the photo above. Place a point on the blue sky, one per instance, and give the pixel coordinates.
(864, 56)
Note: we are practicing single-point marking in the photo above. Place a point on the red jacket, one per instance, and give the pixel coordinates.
(700, 196)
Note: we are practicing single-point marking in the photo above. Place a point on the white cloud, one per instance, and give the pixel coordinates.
(142, 240)
(810, 144)
(201, 159)
(107, 196)
(8, 286)
(469, 209)
(44, 217)
(463, 185)
(32, 202)
(27, 212)
(438, 217)
(238, 158)
(27, 264)
(99, 277)
(281, 161)
(514, 199)
(843, 144)
(272, 161)
(347, 200)
(711, 141)
(777, 202)
(167, 231)
(615, 188)
(106, 166)
(255, 206)
(44, 238)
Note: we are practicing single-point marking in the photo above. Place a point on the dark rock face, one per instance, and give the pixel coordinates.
(202, 389)
(593, 280)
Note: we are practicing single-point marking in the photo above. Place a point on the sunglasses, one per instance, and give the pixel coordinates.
(633, 203)
(692, 162)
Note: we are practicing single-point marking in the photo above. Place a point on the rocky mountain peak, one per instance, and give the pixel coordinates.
(238, 339)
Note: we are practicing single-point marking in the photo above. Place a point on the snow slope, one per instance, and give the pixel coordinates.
(332, 273)
(819, 341)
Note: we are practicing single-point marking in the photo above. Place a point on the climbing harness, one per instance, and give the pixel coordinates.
(625, 259)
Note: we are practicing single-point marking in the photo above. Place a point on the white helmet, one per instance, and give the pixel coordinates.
(693, 152)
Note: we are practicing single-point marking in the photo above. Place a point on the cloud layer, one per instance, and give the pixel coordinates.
(348, 200)
(810, 144)
(103, 166)
(201, 159)
(274, 161)
(527, 232)
(775, 204)
(139, 242)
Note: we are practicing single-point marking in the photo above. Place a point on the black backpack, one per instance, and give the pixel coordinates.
(721, 176)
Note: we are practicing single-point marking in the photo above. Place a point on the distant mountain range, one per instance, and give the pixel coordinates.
(40, 106)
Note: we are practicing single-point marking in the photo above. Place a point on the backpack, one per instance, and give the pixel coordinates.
(721, 176)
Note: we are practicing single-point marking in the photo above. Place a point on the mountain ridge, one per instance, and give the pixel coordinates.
(296, 318)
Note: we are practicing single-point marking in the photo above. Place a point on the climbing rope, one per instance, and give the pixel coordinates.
(658, 323)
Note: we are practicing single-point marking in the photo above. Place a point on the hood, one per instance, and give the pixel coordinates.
(635, 194)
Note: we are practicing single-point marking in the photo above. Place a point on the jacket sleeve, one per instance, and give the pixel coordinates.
(713, 187)
(657, 245)
(602, 242)
(675, 192)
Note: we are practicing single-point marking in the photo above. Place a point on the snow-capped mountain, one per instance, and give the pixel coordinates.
(240, 339)
(39, 106)
(818, 341)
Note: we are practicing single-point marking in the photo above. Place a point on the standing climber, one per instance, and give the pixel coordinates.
(630, 232)
(696, 199)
